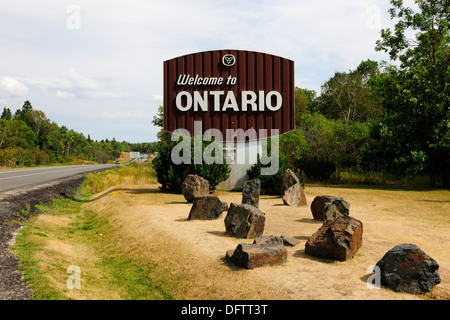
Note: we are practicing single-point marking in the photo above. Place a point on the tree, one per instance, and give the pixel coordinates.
(21, 113)
(39, 123)
(348, 96)
(417, 99)
(6, 114)
(15, 134)
(303, 100)
(158, 120)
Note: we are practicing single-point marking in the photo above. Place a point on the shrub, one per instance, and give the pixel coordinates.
(270, 184)
(171, 175)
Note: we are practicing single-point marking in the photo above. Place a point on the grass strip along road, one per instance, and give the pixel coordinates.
(18, 178)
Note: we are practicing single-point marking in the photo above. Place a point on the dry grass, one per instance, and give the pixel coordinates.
(153, 225)
(134, 174)
(187, 257)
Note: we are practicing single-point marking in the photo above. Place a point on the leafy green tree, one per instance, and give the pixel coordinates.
(416, 94)
(348, 96)
(16, 134)
(6, 114)
(21, 113)
(38, 122)
(331, 145)
(304, 98)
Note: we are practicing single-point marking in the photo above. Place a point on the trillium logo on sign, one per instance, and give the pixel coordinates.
(228, 60)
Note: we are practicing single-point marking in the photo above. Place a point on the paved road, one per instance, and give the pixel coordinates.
(18, 178)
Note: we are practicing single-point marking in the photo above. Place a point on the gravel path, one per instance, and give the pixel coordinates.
(11, 285)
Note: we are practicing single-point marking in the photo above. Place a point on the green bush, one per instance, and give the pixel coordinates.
(171, 175)
(270, 184)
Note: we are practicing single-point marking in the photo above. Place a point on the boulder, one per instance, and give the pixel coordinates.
(289, 241)
(294, 196)
(244, 221)
(326, 208)
(194, 186)
(291, 190)
(406, 268)
(250, 192)
(337, 239)
(265, 250)
(268, 240)
(288, 179)
(206, 208)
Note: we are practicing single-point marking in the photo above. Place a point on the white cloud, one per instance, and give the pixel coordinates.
(116, 57)
(65, 94)
(158, 97)
(13, 87)
(122, 115)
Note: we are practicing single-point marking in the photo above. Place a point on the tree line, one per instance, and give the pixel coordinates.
(380, 117)
(29, 138)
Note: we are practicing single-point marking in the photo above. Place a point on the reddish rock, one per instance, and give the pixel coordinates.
(194, 186)
(337, 239)
(294, 196)
(288, 179)
(244, 221)
(206, 208)
(326, 208)
(289, 241)
(406, 268)
(267, 240)
(253, 255)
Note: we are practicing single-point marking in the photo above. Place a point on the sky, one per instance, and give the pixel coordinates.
(97, 66)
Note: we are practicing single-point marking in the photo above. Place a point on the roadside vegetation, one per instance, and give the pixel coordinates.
(380, 122)
(66, 232)
(29, 138)
(132, 241)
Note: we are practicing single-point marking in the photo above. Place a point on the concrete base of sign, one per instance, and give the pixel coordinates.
(238, 176)
(240, 157)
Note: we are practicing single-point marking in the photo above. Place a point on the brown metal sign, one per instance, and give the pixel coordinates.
(229, 89)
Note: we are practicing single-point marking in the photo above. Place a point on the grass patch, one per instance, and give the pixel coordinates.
(352, 177)
(66, 233)
(135, 174)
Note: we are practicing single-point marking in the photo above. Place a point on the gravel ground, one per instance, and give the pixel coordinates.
(11, 285)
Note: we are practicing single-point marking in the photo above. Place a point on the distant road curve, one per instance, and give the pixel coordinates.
(11, 179)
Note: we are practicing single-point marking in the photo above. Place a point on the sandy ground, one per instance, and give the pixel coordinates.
(156, 224)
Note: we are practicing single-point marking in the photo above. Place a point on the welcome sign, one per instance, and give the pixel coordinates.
(229, 89)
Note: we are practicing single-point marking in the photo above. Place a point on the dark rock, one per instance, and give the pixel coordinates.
(289, 241)
(194, 186)
(288, 180)
(267, 240)
(326, 208)
(244, 221)
(250, 192)
(267, 251)
(225, 206)
(294, 196)
(337, 239)
(206, 208)
(406, 268)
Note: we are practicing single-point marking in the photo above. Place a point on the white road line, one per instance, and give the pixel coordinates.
(35, 174)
